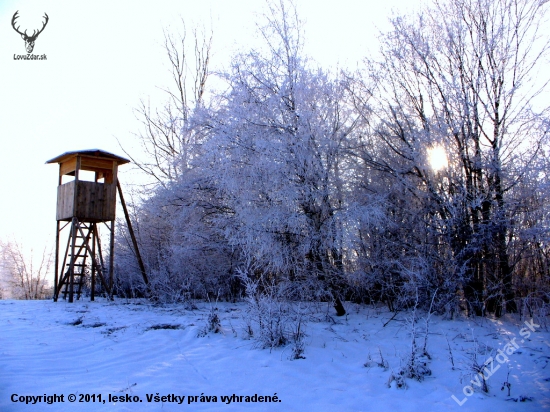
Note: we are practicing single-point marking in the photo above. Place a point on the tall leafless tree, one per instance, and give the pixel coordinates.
(166, 139)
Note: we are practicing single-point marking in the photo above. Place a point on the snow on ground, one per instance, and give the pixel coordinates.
(139, 350)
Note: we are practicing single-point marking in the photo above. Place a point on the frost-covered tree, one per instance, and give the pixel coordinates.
(277, 160)
(464, 76)
(182, 256)
(328, 187)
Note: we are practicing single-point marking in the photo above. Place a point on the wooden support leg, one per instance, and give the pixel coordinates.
(56, 276)
(111, 259)
(71, 263)
(94, 240)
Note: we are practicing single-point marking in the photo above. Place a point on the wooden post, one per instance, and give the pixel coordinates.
(101, 264)
(55, 282)
(132, 235)
(94, 239)
(71, 262)
(111, 259)
(62, 278)
(114, 176)
(56, 275)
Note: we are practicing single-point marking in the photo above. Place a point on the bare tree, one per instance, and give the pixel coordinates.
(167, 139)
(23, 277)
(169, 146)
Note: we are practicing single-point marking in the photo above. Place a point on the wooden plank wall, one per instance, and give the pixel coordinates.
(93, 201)
(65, 200)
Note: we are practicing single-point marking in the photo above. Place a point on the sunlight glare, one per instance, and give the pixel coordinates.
(437, 158)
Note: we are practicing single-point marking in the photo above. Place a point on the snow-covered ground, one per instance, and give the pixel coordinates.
(137, 351)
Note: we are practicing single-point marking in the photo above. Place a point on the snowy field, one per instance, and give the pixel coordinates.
(141, 352)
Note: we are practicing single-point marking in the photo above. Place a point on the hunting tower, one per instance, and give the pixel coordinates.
(84, 202)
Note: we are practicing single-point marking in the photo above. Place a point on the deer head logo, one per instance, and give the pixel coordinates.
(29, 40)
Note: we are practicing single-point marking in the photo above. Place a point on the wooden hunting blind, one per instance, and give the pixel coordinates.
(83, 205)
(93, 201)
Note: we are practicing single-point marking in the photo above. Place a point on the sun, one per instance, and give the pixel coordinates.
(437, 158)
